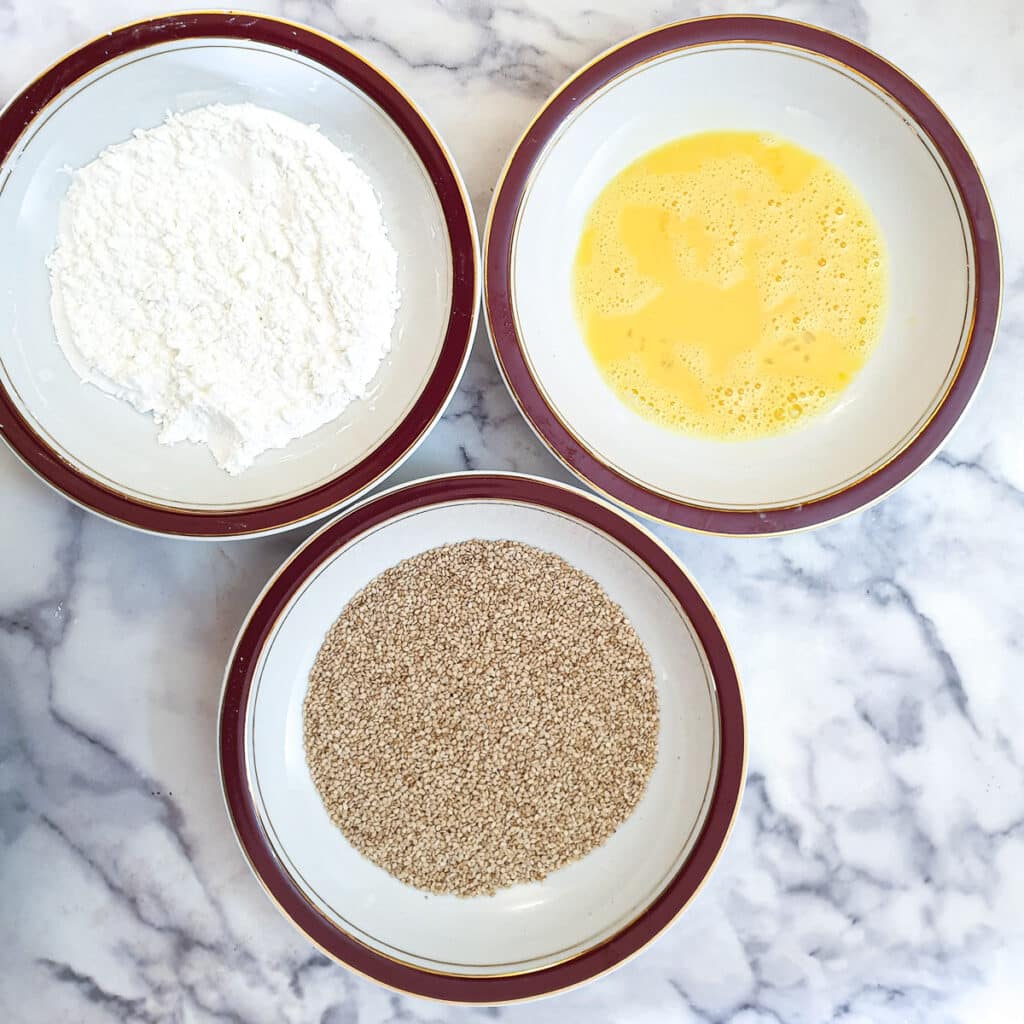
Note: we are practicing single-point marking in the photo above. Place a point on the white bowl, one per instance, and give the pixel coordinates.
(834, 98)
(99, 451)
(528, 939)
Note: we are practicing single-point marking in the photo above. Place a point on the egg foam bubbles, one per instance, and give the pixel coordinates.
(730, 284)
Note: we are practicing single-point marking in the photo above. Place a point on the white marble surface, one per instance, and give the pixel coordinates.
(876, 873)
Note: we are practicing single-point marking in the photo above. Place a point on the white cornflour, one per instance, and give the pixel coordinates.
(228, 271)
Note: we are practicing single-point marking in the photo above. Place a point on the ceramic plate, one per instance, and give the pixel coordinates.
(103, 454)
(834, 98)
(527, 940)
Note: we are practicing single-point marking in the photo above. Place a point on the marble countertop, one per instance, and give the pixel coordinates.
(876, 872)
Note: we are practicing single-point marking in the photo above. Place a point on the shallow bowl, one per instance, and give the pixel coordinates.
(527, 940)
(99, 451)
(834, 98)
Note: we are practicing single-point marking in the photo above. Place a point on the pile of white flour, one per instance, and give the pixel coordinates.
(229, 272)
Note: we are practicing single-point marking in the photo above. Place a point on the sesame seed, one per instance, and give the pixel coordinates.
(479, 716)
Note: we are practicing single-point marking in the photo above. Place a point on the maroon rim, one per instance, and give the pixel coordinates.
(254, 841)
(497, 274)
(40, 457)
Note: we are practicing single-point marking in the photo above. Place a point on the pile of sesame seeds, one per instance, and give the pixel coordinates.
(480, 715)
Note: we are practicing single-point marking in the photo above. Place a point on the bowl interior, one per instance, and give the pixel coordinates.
(106, 439)
(832, 111)
(525, 927)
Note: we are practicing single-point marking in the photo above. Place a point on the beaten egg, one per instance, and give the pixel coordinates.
(730, 284)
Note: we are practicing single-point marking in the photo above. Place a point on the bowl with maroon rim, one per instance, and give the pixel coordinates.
(527, 940)
(835, 98)
(100, 452)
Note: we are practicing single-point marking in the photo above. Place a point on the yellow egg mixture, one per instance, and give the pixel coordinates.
(730, 284)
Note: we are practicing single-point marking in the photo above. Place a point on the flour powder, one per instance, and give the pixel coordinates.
(229, 272)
